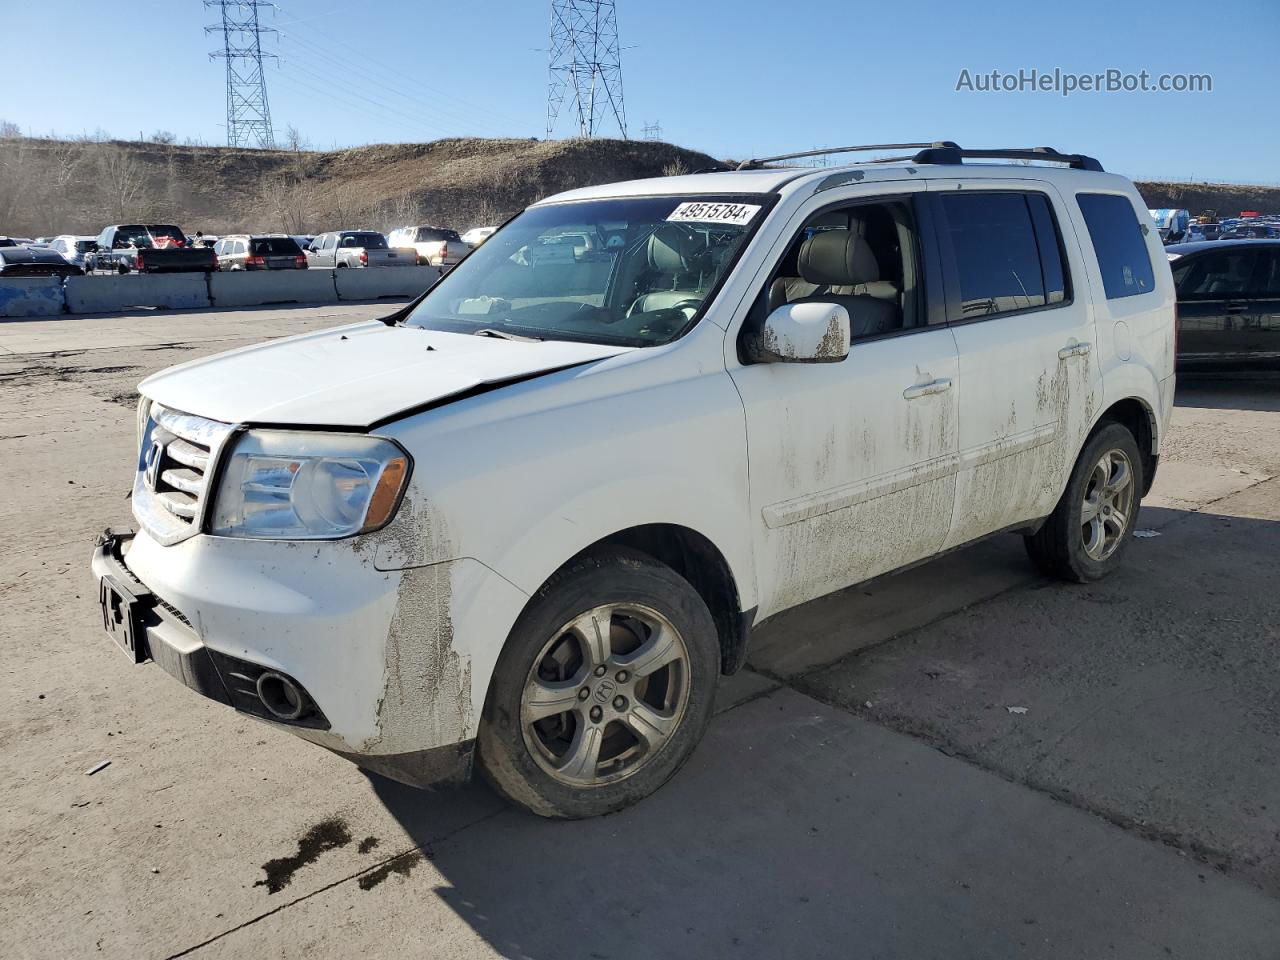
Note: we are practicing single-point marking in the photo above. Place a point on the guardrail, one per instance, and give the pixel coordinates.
(52, 296)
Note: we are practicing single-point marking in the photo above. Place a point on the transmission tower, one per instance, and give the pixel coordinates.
(652, 131)
(585, 65)
(248, 113)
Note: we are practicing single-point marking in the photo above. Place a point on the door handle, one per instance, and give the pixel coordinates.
(926, 389)
(1075, 350)
(1237, 307)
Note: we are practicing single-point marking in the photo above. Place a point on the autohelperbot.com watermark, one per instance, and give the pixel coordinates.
(1065, 82)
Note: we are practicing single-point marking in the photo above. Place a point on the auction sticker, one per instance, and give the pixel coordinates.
(701, 211)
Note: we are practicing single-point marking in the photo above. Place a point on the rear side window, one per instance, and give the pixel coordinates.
(993, 245)
(1118, 244)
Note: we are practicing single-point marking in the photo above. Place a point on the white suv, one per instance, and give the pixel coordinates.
(528, 520)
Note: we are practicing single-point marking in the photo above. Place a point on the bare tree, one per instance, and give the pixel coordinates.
(122, 179)
(164, 137)
(288, 201)
(19, 173)
(294, 140)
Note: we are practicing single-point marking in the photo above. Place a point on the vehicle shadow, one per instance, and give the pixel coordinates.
(802, 829)
(1251, 391)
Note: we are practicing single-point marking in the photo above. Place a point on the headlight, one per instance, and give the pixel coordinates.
(308, 486)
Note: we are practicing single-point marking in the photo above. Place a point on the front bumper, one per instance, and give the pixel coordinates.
(382, 656)
(166, 637)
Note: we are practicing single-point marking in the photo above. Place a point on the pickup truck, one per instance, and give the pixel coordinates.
(340, 249)
(435, 246)
(148, 248)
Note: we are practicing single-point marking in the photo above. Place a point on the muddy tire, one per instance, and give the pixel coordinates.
(1086, 536)
(603, 690)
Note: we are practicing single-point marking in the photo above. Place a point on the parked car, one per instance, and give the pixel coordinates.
(74, 248)
(340, 249)
(435, 246)
(1253, 231)
(148, 248)
(1228, 303)
(30, 260)
(1202, 231)
(544, 505)
(274, 251)
(478, 235)
(8, 242)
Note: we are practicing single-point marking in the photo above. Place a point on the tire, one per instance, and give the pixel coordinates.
(122, 269)
(1086, 536)
(622, 733)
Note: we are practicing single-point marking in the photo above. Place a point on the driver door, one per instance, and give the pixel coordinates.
(853, 463)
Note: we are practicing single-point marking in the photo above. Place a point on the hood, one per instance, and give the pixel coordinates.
(355, 376)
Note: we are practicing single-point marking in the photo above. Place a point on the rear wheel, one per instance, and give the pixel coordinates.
(603, 690)
(1087, 533)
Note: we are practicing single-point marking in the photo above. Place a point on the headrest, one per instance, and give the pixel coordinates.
(837, 258)
(673, 250)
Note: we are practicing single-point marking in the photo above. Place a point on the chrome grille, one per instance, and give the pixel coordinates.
(175, 461)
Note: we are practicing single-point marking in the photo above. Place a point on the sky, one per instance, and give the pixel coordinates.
(734, 78)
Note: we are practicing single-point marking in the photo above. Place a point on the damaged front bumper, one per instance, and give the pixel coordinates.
(377, 662)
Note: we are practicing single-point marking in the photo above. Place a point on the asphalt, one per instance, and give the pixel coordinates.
(960, 761)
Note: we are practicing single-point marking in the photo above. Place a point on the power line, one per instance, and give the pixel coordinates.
(248, 112)
(585, 65)
(447, 107)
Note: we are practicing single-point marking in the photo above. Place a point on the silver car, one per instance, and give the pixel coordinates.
(73, 248)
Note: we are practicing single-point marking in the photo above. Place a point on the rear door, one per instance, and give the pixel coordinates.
(1026, 343)
(1229, 306)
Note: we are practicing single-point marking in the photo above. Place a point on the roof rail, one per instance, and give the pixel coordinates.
(950, 153)
(935, 145)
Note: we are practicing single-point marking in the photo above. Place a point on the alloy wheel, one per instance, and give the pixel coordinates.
(605, 694)
(1108, 502)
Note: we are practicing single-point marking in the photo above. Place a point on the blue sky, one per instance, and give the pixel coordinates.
(746, 77)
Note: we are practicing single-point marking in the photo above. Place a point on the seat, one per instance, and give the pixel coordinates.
(676, 256)
(840, 268)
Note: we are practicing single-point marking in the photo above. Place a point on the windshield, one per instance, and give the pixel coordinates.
(633, 271)
(370, 241)
(433, 235)
(275, 247)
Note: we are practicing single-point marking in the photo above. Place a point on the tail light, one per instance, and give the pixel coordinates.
(256, 262)
(444, 250)
(300, 260)
(139, 263)
(364, 257)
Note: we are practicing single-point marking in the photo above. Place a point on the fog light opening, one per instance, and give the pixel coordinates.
(280, 696)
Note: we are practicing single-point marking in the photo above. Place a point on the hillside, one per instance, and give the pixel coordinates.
(55, 186)
(76, 186)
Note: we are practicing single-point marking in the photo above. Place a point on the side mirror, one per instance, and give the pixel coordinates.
(802, 333)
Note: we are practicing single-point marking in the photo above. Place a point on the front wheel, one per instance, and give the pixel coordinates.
(1087, 533)
(603, 690)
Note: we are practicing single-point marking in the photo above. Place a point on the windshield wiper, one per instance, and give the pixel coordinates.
(503, 335)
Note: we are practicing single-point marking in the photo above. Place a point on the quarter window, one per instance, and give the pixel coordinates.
(1118, 243)
(997, 259)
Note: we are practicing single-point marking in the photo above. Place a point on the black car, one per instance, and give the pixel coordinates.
(1228, 303)
(35, 262)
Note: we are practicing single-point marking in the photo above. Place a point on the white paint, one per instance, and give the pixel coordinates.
(807, 477)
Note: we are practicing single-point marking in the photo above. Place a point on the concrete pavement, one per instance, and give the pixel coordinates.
(1130, 812)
